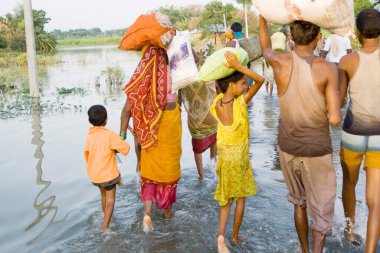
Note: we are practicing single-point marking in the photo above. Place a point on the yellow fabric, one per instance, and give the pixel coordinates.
(99, 153)
(372, 160)
(233, 168)
(353, 159)
(162, 164)
(238, 132)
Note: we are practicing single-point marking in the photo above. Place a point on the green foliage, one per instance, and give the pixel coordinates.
(360, 5)
(6, 84)
(3, 42)
(11, 59)
(88, 41)
(212, 17)
(71, 91)
(44, 41)
(113, 75)
(86, 33)
(18, 43)
(180, 17)
(210, 49)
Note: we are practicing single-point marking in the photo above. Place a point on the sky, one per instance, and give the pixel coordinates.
(104, 14)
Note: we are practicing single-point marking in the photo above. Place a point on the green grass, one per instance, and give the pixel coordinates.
(11, 58)
(90, 41)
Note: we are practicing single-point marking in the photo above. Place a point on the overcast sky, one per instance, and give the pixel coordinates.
(105, 14)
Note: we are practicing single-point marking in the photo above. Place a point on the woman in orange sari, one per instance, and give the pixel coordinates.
(157, 123)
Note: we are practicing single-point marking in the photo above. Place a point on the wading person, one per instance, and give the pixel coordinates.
(197, 99)
(307, 88)
(233, 167)
(157, 123)
(99, 152)
(359, 72)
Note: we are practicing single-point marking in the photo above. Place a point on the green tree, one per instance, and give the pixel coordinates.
(212, 20)
(180, 17)
(360, 5)
(45, 42)
(3, 42)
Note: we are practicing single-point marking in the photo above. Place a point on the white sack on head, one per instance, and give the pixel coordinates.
(334, 15)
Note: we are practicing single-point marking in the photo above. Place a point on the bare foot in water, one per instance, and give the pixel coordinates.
(238, 240)
(147, 224)
(222, 247)
(353, 238)
(168, 214)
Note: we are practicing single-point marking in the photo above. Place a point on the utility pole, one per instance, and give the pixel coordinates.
(31, 48)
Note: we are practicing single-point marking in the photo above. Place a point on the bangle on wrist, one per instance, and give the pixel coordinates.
(123, 135)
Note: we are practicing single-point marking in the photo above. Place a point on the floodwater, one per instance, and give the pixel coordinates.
(49, 204)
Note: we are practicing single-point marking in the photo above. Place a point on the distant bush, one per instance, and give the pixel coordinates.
(71, 91)
(6, 84)
(113, 75)
(3, 42)
(18, 44)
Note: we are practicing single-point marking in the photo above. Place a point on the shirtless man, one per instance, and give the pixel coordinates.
(360, 71)
(307, 88)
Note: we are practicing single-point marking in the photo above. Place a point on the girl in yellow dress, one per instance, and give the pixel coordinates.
(234, 169)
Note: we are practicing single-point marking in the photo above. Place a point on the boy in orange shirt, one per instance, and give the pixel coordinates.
(99, 152)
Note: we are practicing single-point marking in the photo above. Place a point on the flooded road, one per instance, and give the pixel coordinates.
(50, 205)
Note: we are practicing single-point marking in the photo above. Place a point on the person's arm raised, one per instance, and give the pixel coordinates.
(332, 97)
(271, 57)
(233, 62)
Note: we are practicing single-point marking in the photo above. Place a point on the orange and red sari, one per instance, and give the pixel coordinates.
(146, 92)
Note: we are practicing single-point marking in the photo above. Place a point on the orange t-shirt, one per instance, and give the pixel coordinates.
(99, 153)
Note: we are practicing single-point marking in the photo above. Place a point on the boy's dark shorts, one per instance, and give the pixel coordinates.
(110, 185)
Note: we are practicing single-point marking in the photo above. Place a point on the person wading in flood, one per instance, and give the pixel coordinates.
(307, 88)
(360, 72)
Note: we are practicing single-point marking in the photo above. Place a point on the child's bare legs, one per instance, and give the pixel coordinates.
(302, 227)
(373, 202)
(199, 163)
(109, 206)
(224, 213)
(213, 151)
(147, 220)
(138, 152)
(238, 217)
(103, 199)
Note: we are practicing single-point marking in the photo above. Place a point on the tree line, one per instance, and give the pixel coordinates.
(206, 19)
(12, 31)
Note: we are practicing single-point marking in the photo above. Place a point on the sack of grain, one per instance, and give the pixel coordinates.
(214, 67)
(334, 15)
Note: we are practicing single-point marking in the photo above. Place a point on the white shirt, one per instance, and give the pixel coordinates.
(342, 44)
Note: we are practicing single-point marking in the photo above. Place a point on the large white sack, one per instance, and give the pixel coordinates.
(334, 15)
(183, 68)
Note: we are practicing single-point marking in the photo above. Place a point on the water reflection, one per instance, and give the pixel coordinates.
(44, 206)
